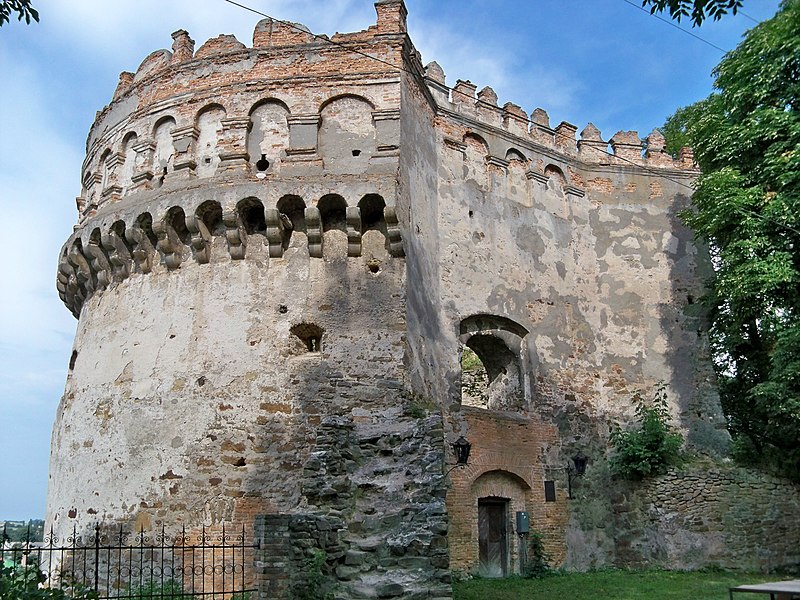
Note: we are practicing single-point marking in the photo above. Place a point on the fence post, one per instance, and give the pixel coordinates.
(96, 558)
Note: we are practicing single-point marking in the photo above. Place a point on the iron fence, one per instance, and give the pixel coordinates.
(118, 564)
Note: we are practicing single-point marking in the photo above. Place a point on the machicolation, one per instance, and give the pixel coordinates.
(282, 253)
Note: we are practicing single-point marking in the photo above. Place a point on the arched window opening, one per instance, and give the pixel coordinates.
(294, 210)
(118, 227)
(474, 380)
(210, 213)
(333, 211)
(145, 223)
(492, 375)
(251, 212)
(372, 206)
(310, 335)
(176, 219)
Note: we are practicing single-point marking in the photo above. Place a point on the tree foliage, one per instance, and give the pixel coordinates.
(699, 10)
(652, 445)
(746, 139)
(21, 8)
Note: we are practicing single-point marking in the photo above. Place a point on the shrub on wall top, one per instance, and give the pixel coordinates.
(651, 445)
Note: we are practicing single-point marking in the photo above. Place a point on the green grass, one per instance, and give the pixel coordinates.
(610, 585)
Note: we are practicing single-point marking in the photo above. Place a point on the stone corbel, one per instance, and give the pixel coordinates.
(353, 217)
(201, 239)
(99, 263)
(495, 161)
(393, 231)
(67, 285)
(119, 254)
(234, 234)
(314, 232)
(142, 249)
(275, 229)
(84, 278)
(169, 244)
(232, 145)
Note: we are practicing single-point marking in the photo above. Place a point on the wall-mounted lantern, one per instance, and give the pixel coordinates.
(576, 469)
(461, 448)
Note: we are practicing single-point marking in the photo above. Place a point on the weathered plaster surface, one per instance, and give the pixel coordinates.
(281, 253)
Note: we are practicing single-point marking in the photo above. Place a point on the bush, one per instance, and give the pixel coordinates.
(652, 445)
(23, 583)
(168, 590)
(537, 565)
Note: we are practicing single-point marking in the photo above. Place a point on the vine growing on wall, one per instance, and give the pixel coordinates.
(652, 444)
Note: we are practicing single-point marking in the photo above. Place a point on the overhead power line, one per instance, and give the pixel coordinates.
(671, 24)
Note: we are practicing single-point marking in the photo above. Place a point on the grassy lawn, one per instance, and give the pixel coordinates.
(610, 585)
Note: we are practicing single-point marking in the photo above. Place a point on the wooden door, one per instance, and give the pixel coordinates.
(493, 537)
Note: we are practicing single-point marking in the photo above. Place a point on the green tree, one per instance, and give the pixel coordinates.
(21, 8)
(746, 140)
(699, 10)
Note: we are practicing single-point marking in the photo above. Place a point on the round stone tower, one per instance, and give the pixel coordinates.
(238, 276)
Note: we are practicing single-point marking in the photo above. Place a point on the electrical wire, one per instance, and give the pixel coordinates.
(671, 24)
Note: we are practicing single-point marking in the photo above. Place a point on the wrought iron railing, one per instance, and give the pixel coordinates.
(117, 564)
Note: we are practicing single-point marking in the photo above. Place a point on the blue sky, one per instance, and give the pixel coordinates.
(602, 61)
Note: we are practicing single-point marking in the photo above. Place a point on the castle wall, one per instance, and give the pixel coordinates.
(282, 255)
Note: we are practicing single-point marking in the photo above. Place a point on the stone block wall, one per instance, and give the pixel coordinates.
(698, 516)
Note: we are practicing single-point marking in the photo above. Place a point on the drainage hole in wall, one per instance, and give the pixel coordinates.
(72, 359)
(471, 214)
(283, 309)
(172, 336)
(356, 152)
(374, 266)
(201, 381)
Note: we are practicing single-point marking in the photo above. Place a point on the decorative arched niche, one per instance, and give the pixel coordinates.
(347, 137)
(209, 125)
(494, 363)
(268, 136)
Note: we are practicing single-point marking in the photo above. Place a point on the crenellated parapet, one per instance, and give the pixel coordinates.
(512, 123)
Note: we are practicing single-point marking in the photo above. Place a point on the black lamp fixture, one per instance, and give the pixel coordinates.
(579, 461)
(461, 448)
